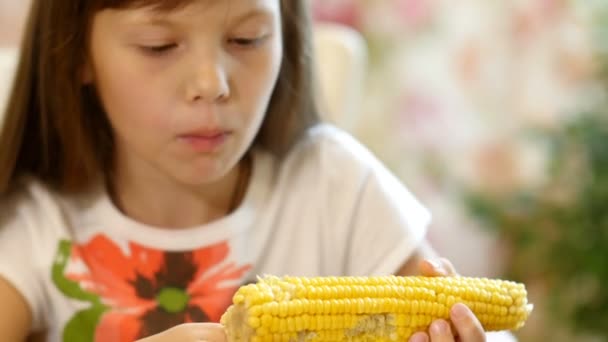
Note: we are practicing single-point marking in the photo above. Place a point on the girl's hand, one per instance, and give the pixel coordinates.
(191, 332)
(466, 327)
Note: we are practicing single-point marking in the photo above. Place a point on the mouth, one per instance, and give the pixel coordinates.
(205, 141)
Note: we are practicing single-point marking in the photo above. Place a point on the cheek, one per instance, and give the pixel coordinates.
(130, 99)
(260, 81)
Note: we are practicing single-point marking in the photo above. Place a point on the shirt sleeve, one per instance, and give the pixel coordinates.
(378, 222)
(17, 257)
(388, 225)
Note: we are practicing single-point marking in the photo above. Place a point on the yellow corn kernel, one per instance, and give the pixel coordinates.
(391, 308)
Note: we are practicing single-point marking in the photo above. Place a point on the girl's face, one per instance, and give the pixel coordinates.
(186, 90)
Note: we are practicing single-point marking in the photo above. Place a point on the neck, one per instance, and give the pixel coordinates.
(158, 201)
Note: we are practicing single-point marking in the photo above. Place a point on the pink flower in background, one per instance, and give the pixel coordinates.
(532, 18)
(422, 116)
(346, 12)
(496, 167)
(414, 13)
(552, 8)
(468, 59)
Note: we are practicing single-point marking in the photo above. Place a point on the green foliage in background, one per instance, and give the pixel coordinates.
(558, 232)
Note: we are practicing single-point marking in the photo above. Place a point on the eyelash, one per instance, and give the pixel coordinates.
(248, 43)
(158, 49)
(243, 43)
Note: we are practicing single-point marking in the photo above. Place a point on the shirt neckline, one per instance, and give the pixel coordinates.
(218, 230)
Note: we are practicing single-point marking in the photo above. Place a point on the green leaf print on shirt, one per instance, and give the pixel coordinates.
(134, 291)
(81, 328)
(173, 300)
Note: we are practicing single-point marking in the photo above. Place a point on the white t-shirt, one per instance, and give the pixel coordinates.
(90, 273)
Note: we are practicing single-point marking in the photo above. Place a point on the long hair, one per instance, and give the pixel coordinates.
(55, 128)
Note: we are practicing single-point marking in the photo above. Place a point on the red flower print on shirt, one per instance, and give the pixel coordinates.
(148, 291)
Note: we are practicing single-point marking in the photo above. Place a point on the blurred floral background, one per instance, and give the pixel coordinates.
(494, 114)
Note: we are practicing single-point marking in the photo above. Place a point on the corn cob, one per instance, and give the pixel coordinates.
(390, 308)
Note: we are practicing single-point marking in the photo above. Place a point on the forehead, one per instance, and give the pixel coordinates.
(165, 11)
(173, 5)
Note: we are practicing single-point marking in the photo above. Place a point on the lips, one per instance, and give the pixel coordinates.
(205, 141)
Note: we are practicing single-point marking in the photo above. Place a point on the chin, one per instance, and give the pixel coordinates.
(202, 176)
(205, 169)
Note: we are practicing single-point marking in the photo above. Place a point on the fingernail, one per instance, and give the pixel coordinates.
(439, 327)
(459, 311)
(436, 264)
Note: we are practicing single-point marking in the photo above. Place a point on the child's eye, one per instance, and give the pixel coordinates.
(248, 42)
(158, 49)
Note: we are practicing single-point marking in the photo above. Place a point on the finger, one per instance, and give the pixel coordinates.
(432, 268)
(212, 332)
(437, 268)
(466, 324)
(449, 267)
(419, 337)
(440, 331)
(206, 331)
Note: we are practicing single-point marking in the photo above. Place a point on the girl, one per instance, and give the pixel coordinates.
(158, 154)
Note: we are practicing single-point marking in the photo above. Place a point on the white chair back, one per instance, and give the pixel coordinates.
(341, 62)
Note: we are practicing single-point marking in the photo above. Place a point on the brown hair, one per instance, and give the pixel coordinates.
(55, 129)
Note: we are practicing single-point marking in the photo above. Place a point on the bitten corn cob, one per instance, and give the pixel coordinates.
(387, 308)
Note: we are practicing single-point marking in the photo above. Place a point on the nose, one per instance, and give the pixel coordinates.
(208, 81)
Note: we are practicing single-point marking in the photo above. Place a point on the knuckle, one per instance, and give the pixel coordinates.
(470, 329)
(185, 329)
(473, 332)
